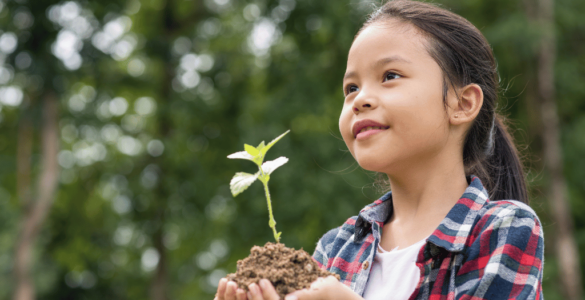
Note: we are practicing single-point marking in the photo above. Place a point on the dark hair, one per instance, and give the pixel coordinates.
(465, 57)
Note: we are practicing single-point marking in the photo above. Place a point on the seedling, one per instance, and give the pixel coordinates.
(241, 181)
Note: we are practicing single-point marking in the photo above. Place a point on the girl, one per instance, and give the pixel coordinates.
(420, 98)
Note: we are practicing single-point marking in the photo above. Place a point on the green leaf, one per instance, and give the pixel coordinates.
(262, 145)
(251, 150)
(265, 149)
(241, 181)
(241, 155)
(269, 166)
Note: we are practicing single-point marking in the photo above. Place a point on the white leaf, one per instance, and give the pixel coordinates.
(241, 155)
(269, 166)
(241, 181)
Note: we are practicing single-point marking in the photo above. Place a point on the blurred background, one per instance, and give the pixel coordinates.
(116, 118)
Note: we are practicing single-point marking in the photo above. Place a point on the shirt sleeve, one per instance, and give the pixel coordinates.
(321, 255)
(506, 259)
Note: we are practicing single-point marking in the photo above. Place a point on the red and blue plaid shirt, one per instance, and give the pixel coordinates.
(482, 249)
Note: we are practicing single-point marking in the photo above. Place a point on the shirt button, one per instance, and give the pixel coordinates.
(365, 265)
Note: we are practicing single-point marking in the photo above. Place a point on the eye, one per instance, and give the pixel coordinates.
(350, 89)
(390, 76)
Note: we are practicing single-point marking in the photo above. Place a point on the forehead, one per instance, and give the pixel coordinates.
(388, 38)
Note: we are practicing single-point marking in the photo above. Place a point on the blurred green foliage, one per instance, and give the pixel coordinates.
(155, 94)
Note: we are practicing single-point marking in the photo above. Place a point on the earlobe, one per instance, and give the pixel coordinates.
(468, 105)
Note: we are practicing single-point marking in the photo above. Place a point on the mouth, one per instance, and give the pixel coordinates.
(364, 128)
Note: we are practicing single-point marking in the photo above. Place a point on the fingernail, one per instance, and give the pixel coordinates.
(232, 286)
(253, 288)
(291, 297)
(264, 283)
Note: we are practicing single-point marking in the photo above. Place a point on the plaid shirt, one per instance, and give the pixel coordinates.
(482, 249)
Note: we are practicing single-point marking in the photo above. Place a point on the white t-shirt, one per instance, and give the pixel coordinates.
(394, 273)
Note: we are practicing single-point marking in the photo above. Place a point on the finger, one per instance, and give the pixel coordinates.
(221, 289)
(268, 291)
(241, 294)
(230, 293)
(255, 292)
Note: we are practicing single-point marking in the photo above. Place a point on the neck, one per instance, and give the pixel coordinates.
(427, 190)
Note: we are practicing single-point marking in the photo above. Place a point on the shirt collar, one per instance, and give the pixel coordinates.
(453, 231)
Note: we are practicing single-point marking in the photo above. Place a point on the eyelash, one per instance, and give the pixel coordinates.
(348, 87)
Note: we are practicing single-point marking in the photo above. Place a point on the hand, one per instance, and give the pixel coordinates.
(322, 289)
(263, 292)
(229, 291)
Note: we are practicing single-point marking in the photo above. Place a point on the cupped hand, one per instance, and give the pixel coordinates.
(228, 290)
(328, 288)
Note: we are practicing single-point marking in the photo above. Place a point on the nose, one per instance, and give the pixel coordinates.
(363, 102)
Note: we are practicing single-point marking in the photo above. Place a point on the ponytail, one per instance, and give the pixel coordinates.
(465, 57)
(499, 166)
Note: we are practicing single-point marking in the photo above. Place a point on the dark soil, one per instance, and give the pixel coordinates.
(288, 269)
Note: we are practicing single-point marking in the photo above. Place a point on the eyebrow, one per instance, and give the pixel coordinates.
(380, 62)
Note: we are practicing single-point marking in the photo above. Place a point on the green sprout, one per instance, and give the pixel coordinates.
(242, 180)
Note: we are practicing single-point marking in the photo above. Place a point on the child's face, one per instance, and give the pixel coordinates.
(392, 80)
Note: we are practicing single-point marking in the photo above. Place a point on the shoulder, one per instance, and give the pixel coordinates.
(508, 223)
(500, 212)
(507, 244)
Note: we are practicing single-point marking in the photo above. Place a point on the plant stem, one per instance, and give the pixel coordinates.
(271, 222)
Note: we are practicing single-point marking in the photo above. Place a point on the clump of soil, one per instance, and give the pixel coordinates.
(288, 269)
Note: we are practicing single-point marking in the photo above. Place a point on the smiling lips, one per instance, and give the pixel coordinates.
(364, 128)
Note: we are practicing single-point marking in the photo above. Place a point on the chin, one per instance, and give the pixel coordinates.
(375, 165)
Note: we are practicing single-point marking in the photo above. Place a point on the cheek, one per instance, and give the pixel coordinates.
(345, 126)
(419, 107)
(419, 117)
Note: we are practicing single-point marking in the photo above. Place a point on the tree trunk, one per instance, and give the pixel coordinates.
(565, 245)
(23, 159)
(24, 285)
(36, 211)
(159, 283)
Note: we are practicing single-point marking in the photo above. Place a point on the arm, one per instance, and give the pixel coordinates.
(506, 260)
(320, 255)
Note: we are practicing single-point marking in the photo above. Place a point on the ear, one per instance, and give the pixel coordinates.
(467, 106)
